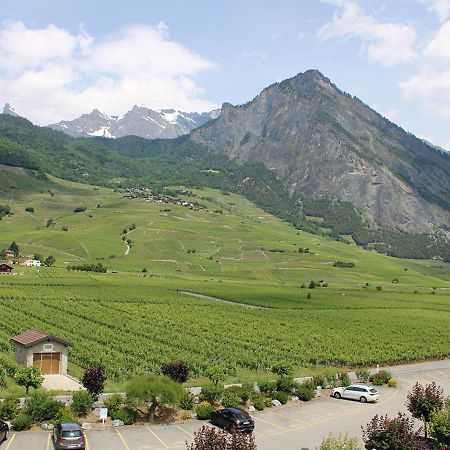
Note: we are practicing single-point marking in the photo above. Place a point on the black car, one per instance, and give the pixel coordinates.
(4, 430)
(68, 435)
(233, 419)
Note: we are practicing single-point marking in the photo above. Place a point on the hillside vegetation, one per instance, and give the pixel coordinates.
(229, 284)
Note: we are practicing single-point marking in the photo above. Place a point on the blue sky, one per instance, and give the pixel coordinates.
(61, 59)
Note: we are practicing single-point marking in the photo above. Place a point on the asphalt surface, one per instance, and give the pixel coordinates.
(297, 426)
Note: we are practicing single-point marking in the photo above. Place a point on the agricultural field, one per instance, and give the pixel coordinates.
(225, 285)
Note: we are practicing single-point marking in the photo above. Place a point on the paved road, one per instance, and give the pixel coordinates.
(289, 428)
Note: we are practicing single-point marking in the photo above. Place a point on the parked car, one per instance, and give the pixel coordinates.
(233, 419)
(4, 430)
(68, 435)
(359, 392)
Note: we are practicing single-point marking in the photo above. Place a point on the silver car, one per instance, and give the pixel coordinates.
(360, 392)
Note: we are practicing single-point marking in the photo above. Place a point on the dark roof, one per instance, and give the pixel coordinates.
(3, 263)
(33, 337)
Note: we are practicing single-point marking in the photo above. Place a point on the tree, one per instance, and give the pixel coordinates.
(216, 374)
(49, 261)
(439, 426)
(177, 370)
(422, 401)
(282, 368)
(154, 390)
(382, 433)
(94, 380)
(38, 257)
(340, 442)
(29, 377)
(14, 248)
(207, 438)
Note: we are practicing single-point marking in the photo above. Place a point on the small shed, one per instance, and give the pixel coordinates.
(5, 268)
(45, 351)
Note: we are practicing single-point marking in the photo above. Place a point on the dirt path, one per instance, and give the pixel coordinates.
(222, 300)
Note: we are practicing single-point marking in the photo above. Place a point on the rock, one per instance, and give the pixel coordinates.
(96, 412)
(117, 423)
(86, 426)
(295, 398)
(251, 408)
(97, 404)
(196, 400)
(195, 390)
(276, 403)
(47, 426)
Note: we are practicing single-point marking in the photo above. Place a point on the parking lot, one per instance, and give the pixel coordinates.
(297, 426)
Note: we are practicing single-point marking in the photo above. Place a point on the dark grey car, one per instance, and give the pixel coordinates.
(68, 436)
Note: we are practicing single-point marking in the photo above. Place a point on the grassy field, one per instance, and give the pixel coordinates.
(220, 287)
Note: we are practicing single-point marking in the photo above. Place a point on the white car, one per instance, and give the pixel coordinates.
(359, 392)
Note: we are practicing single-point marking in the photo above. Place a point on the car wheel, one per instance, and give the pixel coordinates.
(363, 399)
(337, 395)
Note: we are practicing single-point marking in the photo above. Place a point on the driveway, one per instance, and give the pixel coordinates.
(294, 427)
(61, 383)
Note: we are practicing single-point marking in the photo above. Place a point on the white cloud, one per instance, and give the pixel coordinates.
(387, 43)
(255, 56)
(440, 7)
(49, 74)
(438, 49)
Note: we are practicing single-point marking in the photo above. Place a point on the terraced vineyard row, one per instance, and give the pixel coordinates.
(131, 326)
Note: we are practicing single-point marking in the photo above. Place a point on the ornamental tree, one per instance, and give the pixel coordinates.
(207, 438)
(216, 374)
(29, 377)
(282, 368)
(422, 401)
(154, 390)
(382, 433)
(340, 442)
(177, 370)
(439, 426)
(94, 380)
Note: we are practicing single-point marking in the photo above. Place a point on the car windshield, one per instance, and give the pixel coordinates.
(241, 416)
(71, 434)
(373, 391)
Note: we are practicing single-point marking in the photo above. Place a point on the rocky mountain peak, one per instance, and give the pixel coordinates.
(8, 109)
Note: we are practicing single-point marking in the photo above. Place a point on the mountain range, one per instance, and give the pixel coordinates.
(300, 148)
(139, 121)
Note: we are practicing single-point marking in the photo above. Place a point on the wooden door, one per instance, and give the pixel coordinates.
(47, 363)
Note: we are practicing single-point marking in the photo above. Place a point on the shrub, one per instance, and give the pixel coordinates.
(65, 228)
(9, 408)
(380, 378)
(259, 401)
(282, 368)
(230, 400)
(177, 370)
(344, 379)
(114, 403)
(362, 375)
(94, 380)
(439, 427)
(345, 265)
(319, 380)
(305, 393)
(79, 209)
(312, 284)
(187, 401)
(64, 415)
(126, 414)
(49, 223)
(286, 384)
(186, 416)
(21, 422)
(392, 382)
(243, 392)
(82, 403)
(379, 288)
(41, 407)
(211, 393)
(207, 438)
(340, 442)
(204, 410)
(268, 387)
(29, 209)
(282, 397)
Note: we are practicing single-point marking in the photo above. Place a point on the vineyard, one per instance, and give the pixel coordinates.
(376, 310)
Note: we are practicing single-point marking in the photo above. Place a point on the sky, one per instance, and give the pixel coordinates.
(60, 59)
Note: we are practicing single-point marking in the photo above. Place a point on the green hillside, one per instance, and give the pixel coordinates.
(222, 285)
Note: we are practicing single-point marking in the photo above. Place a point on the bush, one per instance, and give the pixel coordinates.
(29, 209)
(65, 228)
(186, 416)
(282, 368)
(379, 288)
(304, 392)
(187, 401)
(204, 410)
(344, 379)
(21, 422)
(211, 393)
(340, 442)
(41, 407)
(362, 375)
(231, 400)
(380, 378)
(79, 209)
(286, 384)
(319, 380)
(114, 403)
(259, 401)
(126, 414)
(89, 268)
(64, 415)
(344, 265)
(243, 392)
(207, 438)
(282, 397)
(439, 427)
(392, 382)
(177, 370)
(9, 409)
(49, 223)
(268, 387)
(82, 403)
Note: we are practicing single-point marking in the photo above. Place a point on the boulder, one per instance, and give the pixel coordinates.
(276, 403)
(251, 408)
(117, 423)
(295, 398)
(86, 426)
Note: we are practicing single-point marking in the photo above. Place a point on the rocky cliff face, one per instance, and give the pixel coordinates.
(139, 121)
(323, 143)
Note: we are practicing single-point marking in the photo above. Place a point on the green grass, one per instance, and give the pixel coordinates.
(132, 323)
